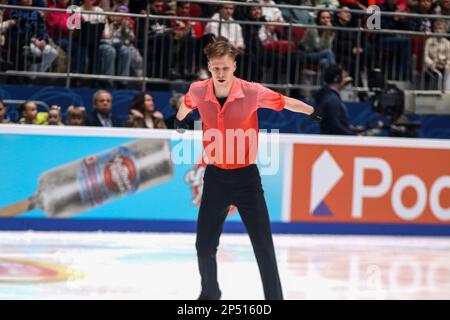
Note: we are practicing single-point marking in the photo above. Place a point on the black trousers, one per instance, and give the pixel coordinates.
(241, 188)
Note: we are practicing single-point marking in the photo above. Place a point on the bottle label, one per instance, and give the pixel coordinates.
(108, 175)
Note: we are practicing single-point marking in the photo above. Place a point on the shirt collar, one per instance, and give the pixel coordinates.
(236, 91)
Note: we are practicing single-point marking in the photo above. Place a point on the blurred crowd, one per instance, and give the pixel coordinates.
(171, 48)
(142, 113)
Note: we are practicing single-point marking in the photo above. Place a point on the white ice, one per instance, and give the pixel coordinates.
(163, 266)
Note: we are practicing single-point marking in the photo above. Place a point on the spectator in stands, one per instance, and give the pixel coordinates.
(437, 53)
(3, 120)
(231, 31)
(329, 105)
(298, 16)
(143, 114)
(76, 116)
(159, 39)
(136, 60)
(28, 39)
(444, 7)
(57, 23)
(271, 13)
(266, 33)
(263, 47)
(183, 9)
(155, 7)
(30, 114)
(172, 43)
(54, 116)
(421, 24)
(395, 49)
(102, 115)
(116, 44)
(182, 50)
(318, 43)
(94, 27)
(4, 24)
(346, 44)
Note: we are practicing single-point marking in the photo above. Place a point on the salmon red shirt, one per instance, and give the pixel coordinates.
(230, 133)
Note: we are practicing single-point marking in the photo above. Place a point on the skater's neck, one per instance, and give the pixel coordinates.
(223, 91)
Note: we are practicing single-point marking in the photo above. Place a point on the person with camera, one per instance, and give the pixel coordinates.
(329, 105)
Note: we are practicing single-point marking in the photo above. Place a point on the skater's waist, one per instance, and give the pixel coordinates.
(234, 170)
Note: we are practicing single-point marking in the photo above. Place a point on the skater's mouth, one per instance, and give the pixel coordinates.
(221, 81)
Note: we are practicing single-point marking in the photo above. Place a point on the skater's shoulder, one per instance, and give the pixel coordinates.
(200, 84)
(247, 86)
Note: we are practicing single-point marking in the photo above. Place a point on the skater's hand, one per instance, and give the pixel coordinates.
(316, 116)
(181, 126)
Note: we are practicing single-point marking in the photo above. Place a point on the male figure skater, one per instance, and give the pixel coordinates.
(228, 105)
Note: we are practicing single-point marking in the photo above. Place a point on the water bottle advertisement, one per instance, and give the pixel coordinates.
(114, 178)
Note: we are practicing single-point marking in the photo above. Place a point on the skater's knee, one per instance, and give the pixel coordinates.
(205, 249)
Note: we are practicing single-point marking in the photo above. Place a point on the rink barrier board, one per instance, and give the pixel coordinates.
(109, 225)
(285, 214)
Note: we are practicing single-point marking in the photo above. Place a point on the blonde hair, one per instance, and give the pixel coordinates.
(220, 47)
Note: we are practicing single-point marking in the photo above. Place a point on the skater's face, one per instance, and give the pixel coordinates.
(103, 103)
(148, 103)
(222, 70)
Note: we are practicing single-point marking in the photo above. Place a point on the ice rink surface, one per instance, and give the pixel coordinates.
(162, 266)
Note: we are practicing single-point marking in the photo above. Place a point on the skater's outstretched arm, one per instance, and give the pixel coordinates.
(301, 107)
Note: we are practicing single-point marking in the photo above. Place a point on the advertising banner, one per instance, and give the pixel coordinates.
(135, 179)
(374, 184)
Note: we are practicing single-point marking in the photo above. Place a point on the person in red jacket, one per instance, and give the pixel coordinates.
(57, 23)
(228, 106)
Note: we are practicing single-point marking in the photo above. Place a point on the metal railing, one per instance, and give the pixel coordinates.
(168, 56)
